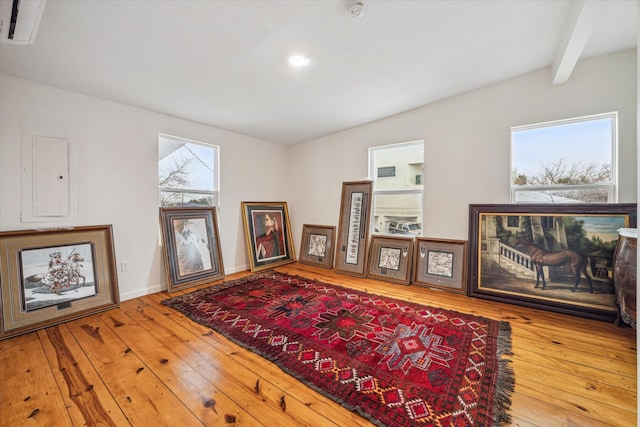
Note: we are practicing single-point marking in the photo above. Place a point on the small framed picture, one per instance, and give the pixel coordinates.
(191, 247)
(391, 258)
(268, 234)
(317, 245)
(441, 264)
(52, 276)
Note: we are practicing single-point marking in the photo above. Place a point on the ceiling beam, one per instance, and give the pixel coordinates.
(583, 20)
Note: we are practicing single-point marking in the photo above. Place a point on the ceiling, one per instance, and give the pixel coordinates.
(224, 63)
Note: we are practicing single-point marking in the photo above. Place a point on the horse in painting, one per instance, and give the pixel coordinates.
(576, 261)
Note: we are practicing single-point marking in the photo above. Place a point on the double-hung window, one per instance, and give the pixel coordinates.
(188, 172)
(567, 161)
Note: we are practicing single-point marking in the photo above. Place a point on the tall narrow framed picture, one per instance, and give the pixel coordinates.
(53, 276)
(268, 234)
(391, 258)
(553, 257)
(191, 246)
(441, 264)
(353, 228)
(317, 247)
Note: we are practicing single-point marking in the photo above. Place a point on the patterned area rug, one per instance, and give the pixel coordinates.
(394, 362)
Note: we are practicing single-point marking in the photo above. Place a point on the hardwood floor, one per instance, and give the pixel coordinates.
(144, 364)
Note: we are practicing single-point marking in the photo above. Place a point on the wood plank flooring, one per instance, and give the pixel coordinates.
(144, 364)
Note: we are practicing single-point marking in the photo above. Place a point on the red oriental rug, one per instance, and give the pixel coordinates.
(396, 363)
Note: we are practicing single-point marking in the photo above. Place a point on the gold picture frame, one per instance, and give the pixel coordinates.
(267, 233)
(318, 245)
(391, 258)
(52, 276)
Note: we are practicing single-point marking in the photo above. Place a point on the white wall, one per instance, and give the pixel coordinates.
(118, 174)
(467, 143)
(466, 158)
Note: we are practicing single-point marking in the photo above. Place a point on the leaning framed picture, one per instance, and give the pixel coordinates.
(317, 245)
(553, 257)
(353, 228)
(391, 258)
(441, 264)
(268, 234)
(53, 276)
(191, 246)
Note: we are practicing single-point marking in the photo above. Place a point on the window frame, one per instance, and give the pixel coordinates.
(215, 193)
(611, 188)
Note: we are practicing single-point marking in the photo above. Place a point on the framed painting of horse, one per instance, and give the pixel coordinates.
(53, 276)
(553, 257)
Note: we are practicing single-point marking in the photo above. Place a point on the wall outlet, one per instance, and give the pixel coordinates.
(124, 265)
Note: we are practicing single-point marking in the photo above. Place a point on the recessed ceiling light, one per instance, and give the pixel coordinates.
(298, 61)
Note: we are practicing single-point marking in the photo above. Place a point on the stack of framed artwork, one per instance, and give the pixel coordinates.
(554, 257)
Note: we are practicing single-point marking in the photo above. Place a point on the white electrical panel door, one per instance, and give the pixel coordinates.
(49, 179)
(50, 176)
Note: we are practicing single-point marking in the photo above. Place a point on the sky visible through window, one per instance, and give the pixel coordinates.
(200, 166)
(582, 142)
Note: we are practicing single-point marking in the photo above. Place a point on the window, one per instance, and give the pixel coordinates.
(397, 189)
(568, 161)
(387, 172)
(513, 221)
(187, 172)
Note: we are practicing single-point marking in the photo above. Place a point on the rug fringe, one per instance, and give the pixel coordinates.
(506, 378)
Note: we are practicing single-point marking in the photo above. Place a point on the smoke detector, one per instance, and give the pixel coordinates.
(355, 10)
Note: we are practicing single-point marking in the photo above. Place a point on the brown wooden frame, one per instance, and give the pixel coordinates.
(398, 265)
(490, 256)
(252, 213)
(441, 264)
(310, 253)
(203, 239)
(34, 295)
(353, 228)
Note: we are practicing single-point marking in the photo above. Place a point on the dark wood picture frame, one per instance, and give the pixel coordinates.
(52, 276)
(268, 234)
(191, 247)
(353, 228)
(391, 258)
(503, 266)
(441, 264)
(318, 245)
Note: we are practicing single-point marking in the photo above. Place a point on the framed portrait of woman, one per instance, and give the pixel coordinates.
(268, 234)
